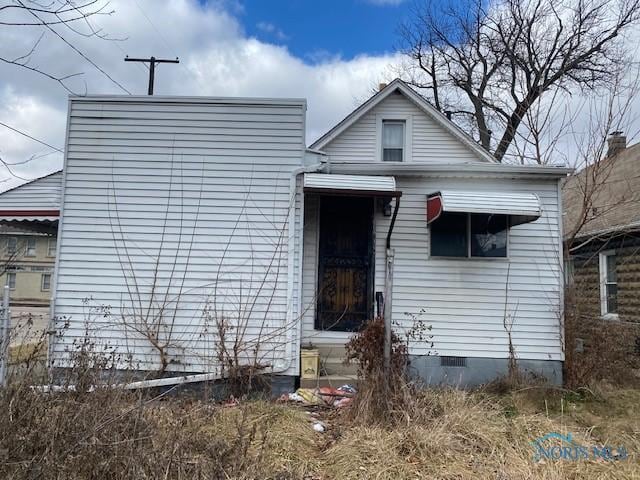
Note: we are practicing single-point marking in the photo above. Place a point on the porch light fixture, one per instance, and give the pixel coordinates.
(386, 207)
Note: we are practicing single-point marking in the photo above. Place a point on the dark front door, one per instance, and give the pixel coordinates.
(345, 267)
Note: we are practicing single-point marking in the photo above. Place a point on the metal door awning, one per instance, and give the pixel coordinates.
(521, 207)
(370, 185)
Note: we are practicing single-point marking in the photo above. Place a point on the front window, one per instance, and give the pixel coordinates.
(469, 235)
(393, 140)
(608, 284)
(30, 247)
(11, 280)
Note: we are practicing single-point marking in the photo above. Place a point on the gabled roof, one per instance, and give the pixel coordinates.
(420, 102)
(611, 187)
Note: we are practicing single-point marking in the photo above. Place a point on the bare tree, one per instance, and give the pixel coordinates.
(593, 192)
(490, 65)
(51, 16)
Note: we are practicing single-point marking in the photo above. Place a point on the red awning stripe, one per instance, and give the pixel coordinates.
(434, 208)
(29, 213)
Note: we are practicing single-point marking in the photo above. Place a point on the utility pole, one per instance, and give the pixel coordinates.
(152, 67)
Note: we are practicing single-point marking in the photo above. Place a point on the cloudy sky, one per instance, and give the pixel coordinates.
(332, 52)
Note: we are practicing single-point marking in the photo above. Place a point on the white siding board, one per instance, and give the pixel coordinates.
(40, 194)
(464, 300)
(203, 187)
(430, 142)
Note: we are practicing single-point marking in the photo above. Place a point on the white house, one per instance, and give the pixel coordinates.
(199, 232)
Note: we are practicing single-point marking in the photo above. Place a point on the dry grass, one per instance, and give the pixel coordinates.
(475, 435)
(444, 434)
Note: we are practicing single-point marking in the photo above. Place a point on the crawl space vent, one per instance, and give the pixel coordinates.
(453, 361)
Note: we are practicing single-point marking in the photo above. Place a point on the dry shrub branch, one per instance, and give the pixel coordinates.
(598, 349)
(383, 397)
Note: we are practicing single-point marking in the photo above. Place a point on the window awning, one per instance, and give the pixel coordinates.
(521, 207)
(29, 215)
(380, 186)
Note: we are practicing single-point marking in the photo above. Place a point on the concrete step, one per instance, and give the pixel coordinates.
(336, 366)
(332, 360)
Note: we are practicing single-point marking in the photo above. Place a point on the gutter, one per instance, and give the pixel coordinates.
(158, 382)
(451, 169)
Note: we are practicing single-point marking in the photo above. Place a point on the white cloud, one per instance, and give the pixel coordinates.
(271, 29)
(216, 58)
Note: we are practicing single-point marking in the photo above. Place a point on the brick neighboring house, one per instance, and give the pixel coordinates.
(602, 202)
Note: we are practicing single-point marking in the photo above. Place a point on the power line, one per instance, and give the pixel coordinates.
(100, 69)
(154, 27)
(160, 35)
(31, 137)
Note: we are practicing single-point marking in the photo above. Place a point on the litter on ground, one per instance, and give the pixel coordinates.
(328, 396)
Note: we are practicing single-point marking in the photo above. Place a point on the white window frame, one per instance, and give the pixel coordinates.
(15, 280)
(408, 135)
(55, 245)
(35, 247)
(602, 264)
(42, 277)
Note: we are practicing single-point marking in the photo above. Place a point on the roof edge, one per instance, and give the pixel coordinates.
(414, 169)
(420, 102)
(31, 181)
(188, 99)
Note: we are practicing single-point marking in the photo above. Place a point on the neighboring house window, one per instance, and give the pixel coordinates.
(568, 271)
(469, 235)
(11, 280)
(30, 247)
(608, 283)
(51, 248)
(12, 246)
(46, 282)
(393, 140)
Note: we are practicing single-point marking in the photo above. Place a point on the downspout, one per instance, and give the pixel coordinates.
(388, 291)
(320, 166)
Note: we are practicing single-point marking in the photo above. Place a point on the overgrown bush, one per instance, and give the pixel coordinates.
(89, 426)
(382, 394)
(598, 349)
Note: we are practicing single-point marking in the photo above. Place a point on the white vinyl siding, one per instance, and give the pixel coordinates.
(464, 299)
(40, 194)
(429, 142)
(190, 199)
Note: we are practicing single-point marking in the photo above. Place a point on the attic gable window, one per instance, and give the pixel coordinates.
(393, 140)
